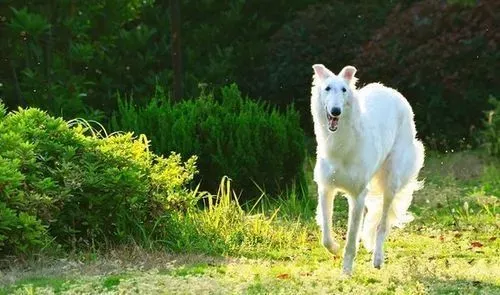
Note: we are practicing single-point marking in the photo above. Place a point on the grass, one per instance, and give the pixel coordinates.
(452, 247)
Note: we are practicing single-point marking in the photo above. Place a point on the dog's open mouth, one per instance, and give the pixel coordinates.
(333, 122)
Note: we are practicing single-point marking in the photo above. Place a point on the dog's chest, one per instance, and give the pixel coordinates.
(345, 164)
(345, 176)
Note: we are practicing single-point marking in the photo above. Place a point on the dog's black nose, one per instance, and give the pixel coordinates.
(335, 111)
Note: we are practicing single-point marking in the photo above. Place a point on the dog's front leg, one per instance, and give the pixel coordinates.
(324, 217)
(323, 176)
(356, 206)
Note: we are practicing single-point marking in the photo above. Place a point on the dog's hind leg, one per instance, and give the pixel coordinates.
(391, 179)
(356, 207)
(382, 230)
(403, 166)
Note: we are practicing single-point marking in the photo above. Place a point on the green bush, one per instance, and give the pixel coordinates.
(20, 231)
(3, 110)
(441, 57)
(252, 143)
(58, 182)
(491, 132)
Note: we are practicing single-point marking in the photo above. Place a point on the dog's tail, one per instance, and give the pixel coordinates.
(398, 213)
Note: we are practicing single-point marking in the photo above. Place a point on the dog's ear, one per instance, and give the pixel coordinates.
(348, 73)
(321, 71)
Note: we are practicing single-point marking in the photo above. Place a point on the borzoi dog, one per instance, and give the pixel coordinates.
(367, 149)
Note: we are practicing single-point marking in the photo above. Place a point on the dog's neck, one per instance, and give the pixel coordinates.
(352, 114)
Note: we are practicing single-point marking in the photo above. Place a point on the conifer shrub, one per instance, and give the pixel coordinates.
(254, 144)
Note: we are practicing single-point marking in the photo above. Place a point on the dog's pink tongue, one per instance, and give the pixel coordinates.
(333, 122)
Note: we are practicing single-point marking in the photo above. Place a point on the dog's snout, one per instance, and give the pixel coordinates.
(335, 111)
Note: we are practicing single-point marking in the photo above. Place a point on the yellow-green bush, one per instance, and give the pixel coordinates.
(58, 183)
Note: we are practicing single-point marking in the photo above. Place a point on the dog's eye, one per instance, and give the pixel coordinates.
(328, 88)
(343, 89)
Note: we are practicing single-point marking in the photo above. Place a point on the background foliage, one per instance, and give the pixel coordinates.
(491, 133)
(72, 58)
(251, 142)
(441, 57)
(318, 34)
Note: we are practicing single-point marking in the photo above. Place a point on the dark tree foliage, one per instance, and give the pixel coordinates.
(72, 57)
(331, 33)
(444, 58)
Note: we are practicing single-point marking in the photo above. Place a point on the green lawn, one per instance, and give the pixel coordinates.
(452, 247)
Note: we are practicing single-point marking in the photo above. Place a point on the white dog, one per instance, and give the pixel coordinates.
(366, 149)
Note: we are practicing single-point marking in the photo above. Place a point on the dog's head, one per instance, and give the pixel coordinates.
(335, 92)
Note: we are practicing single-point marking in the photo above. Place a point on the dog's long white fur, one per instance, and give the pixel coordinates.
(373, 158)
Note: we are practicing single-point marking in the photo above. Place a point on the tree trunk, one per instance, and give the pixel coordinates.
(175, 29)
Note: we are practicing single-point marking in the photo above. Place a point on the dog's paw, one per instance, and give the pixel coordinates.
(332, 246)
(347, 265)
(378, 259)
(346, 272)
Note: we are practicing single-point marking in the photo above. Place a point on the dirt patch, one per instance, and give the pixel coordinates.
(119, 260)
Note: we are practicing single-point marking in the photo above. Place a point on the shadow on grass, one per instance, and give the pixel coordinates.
(113, 268)
(459, 286)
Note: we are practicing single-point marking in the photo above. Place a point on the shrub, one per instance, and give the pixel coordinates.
(20, 231)
(3, 110)
(248, 141)
(491, 132)
(58, 182)
(441, 57)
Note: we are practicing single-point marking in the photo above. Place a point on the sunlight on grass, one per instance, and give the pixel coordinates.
(417, 264)
(236, 232)
(272, 247)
